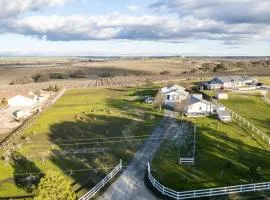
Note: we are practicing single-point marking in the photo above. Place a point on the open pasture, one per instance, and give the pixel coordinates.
(83, 135)
(251, 106)
(226, 155)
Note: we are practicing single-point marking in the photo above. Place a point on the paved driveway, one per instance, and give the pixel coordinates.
(130, 184)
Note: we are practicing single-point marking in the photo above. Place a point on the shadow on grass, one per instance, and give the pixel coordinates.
(100, 155)
(21, 166)
(221, 160)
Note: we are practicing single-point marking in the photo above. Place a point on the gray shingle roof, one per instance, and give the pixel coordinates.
(225, 79)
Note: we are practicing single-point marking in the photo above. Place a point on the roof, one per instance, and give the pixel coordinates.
(175, 88)
(194, 100)
(225, 79)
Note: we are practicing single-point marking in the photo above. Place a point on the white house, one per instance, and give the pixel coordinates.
(229, 82)
(21, 101)
(174, 94)
(21, 114)
(224, 115)
(221, 94)
(197, 106)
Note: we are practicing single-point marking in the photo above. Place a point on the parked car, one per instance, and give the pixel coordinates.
(149, 100)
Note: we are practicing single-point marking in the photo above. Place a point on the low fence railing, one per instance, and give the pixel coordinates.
(187, 161)
(102, 183)
(205, 192)
(246, 122)
(190, 160)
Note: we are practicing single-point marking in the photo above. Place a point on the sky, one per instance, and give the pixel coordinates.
(135, 28)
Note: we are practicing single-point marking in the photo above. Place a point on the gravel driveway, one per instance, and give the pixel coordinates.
(130, 184)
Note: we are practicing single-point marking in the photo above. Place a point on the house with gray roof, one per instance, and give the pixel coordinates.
(198, 107)
(174, 94)
(230, 82)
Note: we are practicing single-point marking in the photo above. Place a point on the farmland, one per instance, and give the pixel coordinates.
(226, 154)
(103, 125)
(252, 107)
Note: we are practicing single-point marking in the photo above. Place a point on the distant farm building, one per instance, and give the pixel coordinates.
(230, 82)
(221, 94)
(197, 106)
(26, 100)
(174, 94)
(21, 101)
(224, 115)
(22, 114)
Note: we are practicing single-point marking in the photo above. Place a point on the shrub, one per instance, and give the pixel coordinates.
(22, 80)
(166, 72)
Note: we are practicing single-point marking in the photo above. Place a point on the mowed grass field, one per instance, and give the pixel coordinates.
(108, 124)
(252, 107)
(226, 155)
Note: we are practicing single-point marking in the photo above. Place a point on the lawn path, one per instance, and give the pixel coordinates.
(130, 185)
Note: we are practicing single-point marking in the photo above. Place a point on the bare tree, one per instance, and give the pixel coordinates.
(180, 106)
(159, 99)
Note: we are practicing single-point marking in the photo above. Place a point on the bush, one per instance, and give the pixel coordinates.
(41, 77)
(59, 75)
(22, 80)
(166, 72)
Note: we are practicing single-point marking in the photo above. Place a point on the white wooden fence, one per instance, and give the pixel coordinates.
(187, 161)
(190, 160)
(206, 192)
(102, 183)
(246, 122)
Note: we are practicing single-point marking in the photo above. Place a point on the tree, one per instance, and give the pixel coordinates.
(4, 102)
(56, 88)
(159, 98)
(54, 186)
(180, 106)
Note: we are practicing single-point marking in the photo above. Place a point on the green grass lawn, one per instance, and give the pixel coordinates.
(252, 107)
(79, 117)
(226, 155)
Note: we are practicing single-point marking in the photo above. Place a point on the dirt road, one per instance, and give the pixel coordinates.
(130, 185)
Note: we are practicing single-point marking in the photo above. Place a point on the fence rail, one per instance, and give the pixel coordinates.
(205, 192)
(246, 122)
(186, 161)
(102, 183)
(190, 160)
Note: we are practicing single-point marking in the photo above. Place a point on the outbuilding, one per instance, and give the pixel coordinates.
(223, 114)
(22, 114)
(21, 101)
(222, 94)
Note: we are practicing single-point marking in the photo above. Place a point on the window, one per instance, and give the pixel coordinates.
(168, 97)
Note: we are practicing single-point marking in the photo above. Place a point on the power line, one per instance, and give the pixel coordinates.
(106, 142)
(70, 171)
(83, 139)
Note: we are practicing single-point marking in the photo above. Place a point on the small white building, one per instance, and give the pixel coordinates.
(22, 114)
(224, 115)
(174, 94)
(221, 94)
(197, 106)
(27, 100)
(21, 101)
(230, 82)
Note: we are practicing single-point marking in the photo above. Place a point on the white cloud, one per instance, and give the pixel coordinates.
(133, 8)
(146, 27)
(11, 8)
